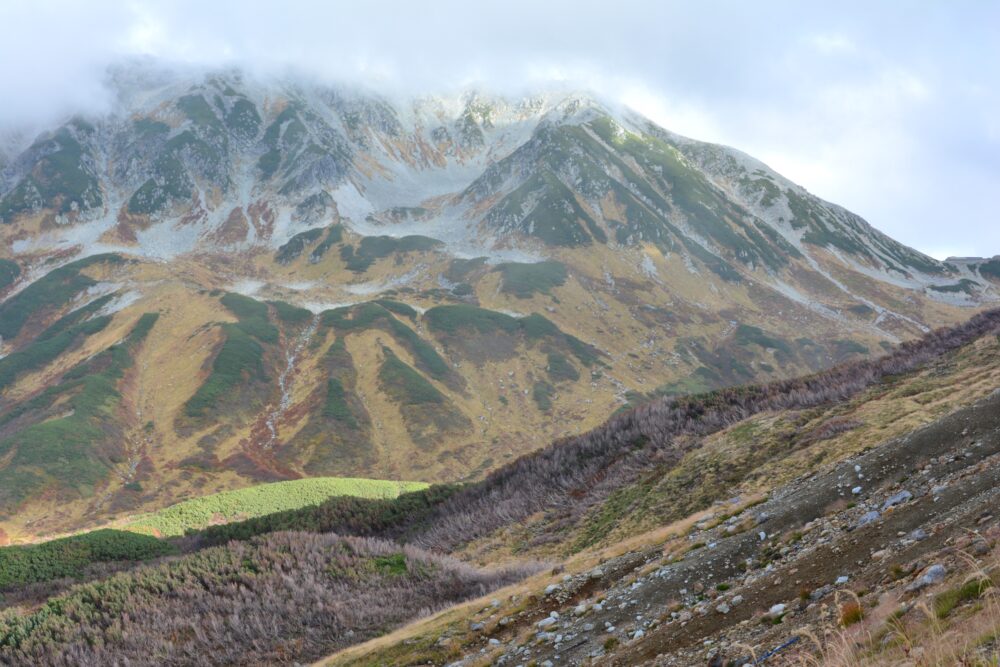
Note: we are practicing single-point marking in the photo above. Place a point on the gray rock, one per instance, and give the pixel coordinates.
(932, 575)
(722, 608)
(821, 592)
(897, 499)
(546, 622)
(841, 580)
(476, 627)
(776, 610)
(917, 535)
(867, 518)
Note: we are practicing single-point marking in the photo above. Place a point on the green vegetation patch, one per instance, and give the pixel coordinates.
(54, 341)
(751, 335)
(296, 245)
(69, 450)
(9, 272)
(50, 292)
(253, 316)
(560, 368)
(452, 320)
(945, 603)
(333, 236)
(60, 179)
(261, 500)
(346, 515)
(404, 384)
(70, 556)
(290, 314)
(335, 407)
(525, 280)
(542, 393)
(240, 360)
(991, 268)
(372, 248)
(964, 286)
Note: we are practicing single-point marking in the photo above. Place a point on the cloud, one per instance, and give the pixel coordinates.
(888, 110)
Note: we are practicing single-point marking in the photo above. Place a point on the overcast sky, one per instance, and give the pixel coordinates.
(891, 109)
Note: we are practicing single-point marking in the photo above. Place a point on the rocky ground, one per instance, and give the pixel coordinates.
(881, 530)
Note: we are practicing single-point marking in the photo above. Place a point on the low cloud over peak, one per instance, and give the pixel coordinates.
(888, 111)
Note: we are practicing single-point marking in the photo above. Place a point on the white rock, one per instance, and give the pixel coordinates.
(841, 580)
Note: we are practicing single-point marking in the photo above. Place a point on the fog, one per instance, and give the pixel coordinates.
(892, 111)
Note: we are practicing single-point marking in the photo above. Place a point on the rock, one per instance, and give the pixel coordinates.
(932, 575)
(551, 588)
(841, 580)
(776, 610)
(867, 518)
(596, 573)
(494, 641)
(722, 608)
(684, 616)
(737, 599)
(856, 490)
(546, 622)
(821, 592)
(588, 627)
(917, 535)
(580, 609)
(897, 499)
(762, 535)
(638, 634)
(980, 548)
(476, 627)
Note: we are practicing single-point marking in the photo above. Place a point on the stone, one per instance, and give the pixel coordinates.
(867, 518)
(638, 634)
(722, 608)
(856, 490)
(897, 499)
(551, 588)
(917, 535)
(580, 609)
(476, 627)
(546, 622)
(494, 641)
(841, 580)
(776, 610)
(737, 600)
(932, 575)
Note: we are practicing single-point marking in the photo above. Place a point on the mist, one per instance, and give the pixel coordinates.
(891, 111)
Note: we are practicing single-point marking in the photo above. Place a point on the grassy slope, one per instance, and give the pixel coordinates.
(260, 500)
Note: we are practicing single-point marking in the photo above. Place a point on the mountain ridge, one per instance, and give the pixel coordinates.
(330, 282)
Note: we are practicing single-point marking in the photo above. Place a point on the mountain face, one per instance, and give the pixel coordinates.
(226, 281)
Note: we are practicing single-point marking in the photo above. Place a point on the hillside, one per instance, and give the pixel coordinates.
(756, 515)
(227, 281)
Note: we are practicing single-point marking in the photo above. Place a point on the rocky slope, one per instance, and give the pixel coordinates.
(880, 548)
(227, 280)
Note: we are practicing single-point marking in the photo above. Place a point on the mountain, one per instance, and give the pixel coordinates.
(801, 521)
(227, 280)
